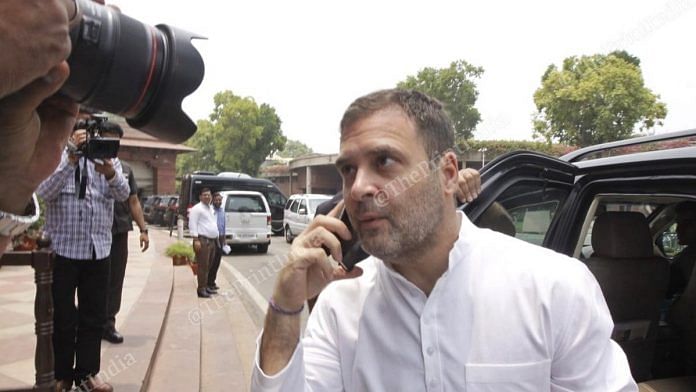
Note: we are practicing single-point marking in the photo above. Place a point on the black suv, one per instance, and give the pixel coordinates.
(612, 206)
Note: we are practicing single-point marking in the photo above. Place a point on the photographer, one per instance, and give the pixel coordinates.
(79, 198)
(34, 42)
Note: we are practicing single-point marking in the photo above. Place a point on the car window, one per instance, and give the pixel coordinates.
(524, 210)
(288, 204)
(244, 203)
(314, 203)
(611, 203)
(669, 241)
(303, 204)
(295, 204)
(275, 198)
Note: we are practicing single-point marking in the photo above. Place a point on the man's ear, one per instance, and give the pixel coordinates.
(449, 170)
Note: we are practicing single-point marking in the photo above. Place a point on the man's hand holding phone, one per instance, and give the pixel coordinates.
(307, 271)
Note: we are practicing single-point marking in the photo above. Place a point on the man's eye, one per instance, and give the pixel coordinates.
(384, 161)
(347, 170)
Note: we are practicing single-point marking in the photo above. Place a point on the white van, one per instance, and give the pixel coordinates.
(299, 211)
(247, 219)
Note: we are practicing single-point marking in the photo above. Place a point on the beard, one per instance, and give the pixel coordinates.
(412, 220)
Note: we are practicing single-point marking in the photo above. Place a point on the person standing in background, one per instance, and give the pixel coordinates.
(204, 231)
(124, 214)
(219, 212)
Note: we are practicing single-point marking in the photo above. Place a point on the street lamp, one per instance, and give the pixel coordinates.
(483, 150)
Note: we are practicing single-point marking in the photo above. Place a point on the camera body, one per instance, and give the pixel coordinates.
(96, 146)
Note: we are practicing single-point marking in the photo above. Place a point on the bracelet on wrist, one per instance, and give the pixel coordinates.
(282, 311)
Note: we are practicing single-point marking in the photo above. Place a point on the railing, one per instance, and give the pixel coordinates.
(42, 262)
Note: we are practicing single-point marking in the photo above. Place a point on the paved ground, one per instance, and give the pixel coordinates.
(17, 290)
(225, 334)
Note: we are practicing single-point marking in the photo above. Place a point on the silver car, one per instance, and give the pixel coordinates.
(299, 211)
(247, 219)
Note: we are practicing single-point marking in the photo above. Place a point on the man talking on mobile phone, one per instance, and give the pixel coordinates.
(440, 305)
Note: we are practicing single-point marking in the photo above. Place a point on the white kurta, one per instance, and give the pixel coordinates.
(506, 316)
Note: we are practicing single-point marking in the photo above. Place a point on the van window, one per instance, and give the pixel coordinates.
(275, 198)
(244, 203)
(288, 204)
(303, 204)
(295, 203)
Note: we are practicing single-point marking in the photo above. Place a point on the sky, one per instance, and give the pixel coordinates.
(310, 59)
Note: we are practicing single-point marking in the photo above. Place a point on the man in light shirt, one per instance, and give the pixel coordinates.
(441, 305)
(204, 231)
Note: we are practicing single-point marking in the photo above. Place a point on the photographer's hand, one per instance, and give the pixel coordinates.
(106, 168)
(78, 138)
(34, 38)
(33, 132)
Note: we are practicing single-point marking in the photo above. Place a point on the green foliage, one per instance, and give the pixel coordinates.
(180, 248)
(595, 99)
(238, 137)
(294, 149)
(495, 148)
(454, 86)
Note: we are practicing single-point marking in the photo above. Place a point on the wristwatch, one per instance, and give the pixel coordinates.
(11, 224)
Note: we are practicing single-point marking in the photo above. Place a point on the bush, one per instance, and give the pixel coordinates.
(180, 248)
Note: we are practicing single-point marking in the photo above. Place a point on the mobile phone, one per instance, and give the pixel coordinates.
(351, 249)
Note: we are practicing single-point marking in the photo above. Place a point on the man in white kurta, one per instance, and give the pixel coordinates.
(467, 309)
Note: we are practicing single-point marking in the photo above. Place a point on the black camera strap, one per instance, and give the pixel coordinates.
(81, 179)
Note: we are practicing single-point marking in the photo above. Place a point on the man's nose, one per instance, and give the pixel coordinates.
(364, 185)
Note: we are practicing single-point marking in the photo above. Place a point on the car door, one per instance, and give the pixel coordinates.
(302, 216)
(523, 194)
(294, 228)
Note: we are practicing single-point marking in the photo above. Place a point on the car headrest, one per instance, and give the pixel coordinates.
(622, 235)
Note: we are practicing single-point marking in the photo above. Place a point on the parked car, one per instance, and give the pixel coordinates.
(299, 211)
(612, 207)
(161, 208)
(149, 207)
(169, 217)
(192, 183)
(247, 219)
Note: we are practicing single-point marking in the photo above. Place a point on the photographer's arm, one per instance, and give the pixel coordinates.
(113, 172)
(50, 188)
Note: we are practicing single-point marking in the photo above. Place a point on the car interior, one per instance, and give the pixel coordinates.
(630, 242)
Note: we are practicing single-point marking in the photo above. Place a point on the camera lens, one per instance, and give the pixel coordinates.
(143, 73)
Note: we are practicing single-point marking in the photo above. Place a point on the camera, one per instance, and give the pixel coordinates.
(122, 66)
(96, 146)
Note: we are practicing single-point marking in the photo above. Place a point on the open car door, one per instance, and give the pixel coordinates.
(522, 194)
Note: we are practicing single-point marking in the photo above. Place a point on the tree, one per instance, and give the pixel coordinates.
(595, 99)
(294, 149)
(454, 86)
(238, 137)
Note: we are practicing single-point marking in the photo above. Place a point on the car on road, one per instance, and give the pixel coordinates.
(299, 211)
(612, 206)
(192, 183)
(247, 219)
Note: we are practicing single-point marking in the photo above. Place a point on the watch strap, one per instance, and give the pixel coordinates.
(11, 224)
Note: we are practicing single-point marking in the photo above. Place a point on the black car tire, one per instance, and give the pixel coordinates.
(288, 235)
